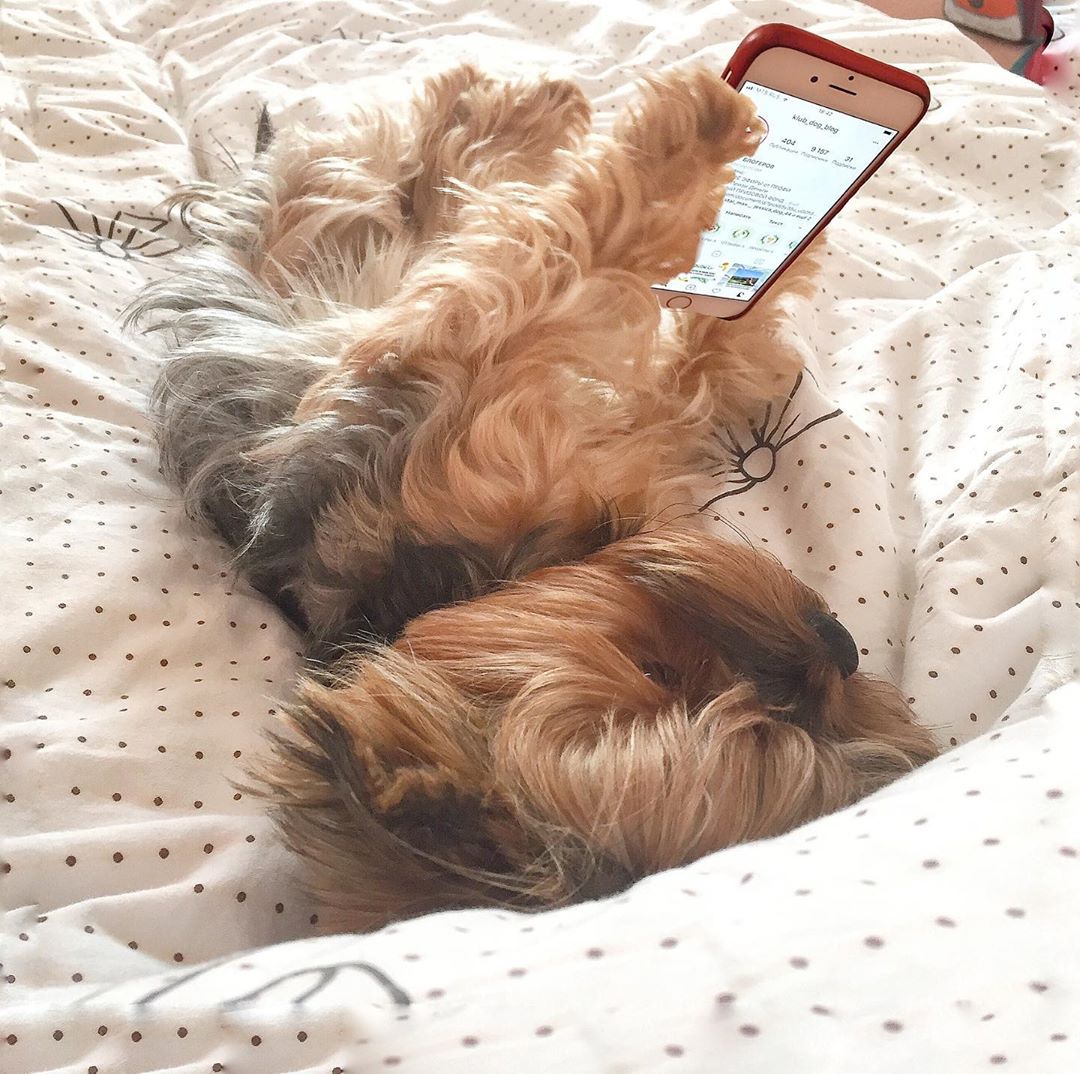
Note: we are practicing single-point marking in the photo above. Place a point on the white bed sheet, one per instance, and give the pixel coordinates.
(930, 928)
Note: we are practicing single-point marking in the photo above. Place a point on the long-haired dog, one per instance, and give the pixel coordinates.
(418, 381)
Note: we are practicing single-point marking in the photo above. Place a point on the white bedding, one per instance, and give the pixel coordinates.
(931, 928)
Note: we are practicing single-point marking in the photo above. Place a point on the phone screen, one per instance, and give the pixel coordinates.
(808, 158)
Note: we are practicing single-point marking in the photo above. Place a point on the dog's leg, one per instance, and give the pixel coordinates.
(323, 201)
(702, 369)
(649, 192)
(571, 262)
(469, 137)
(387, 174)
(753, 359)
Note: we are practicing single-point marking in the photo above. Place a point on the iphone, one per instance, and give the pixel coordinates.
(832, 117)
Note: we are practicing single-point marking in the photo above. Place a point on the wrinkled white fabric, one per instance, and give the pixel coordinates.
(922, 476)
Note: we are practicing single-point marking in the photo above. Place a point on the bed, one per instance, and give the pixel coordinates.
(922, 473)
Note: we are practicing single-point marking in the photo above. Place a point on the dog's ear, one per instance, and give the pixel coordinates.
(383, 785)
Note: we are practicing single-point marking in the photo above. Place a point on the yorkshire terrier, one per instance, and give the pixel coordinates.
(419, 383)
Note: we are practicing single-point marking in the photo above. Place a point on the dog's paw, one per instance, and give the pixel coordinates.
(691, 112)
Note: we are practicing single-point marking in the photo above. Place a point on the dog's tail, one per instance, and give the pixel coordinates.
(264, 132)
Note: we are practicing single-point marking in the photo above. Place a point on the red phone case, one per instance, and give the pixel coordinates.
(778, 34)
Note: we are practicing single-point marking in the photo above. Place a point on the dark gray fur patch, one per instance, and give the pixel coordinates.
(238, 363)
(224, 403)
(264, 133)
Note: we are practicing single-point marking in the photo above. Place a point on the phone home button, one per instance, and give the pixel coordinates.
(679, 302)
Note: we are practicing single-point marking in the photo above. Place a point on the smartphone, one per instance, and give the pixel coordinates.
(832, 117)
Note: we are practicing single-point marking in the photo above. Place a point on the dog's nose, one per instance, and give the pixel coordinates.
(838, 640)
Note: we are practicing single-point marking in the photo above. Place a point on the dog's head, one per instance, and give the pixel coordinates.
(561, 737)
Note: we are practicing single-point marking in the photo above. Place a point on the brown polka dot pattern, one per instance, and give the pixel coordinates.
(933, 511)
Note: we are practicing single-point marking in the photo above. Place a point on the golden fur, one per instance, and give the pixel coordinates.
(434, 411)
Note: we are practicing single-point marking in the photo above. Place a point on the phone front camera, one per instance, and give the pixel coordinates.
(813, 78)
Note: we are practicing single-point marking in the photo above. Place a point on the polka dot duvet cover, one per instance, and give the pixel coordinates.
(921, 473)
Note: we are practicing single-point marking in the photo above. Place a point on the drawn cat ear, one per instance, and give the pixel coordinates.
(747, 465)
(324, 976)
